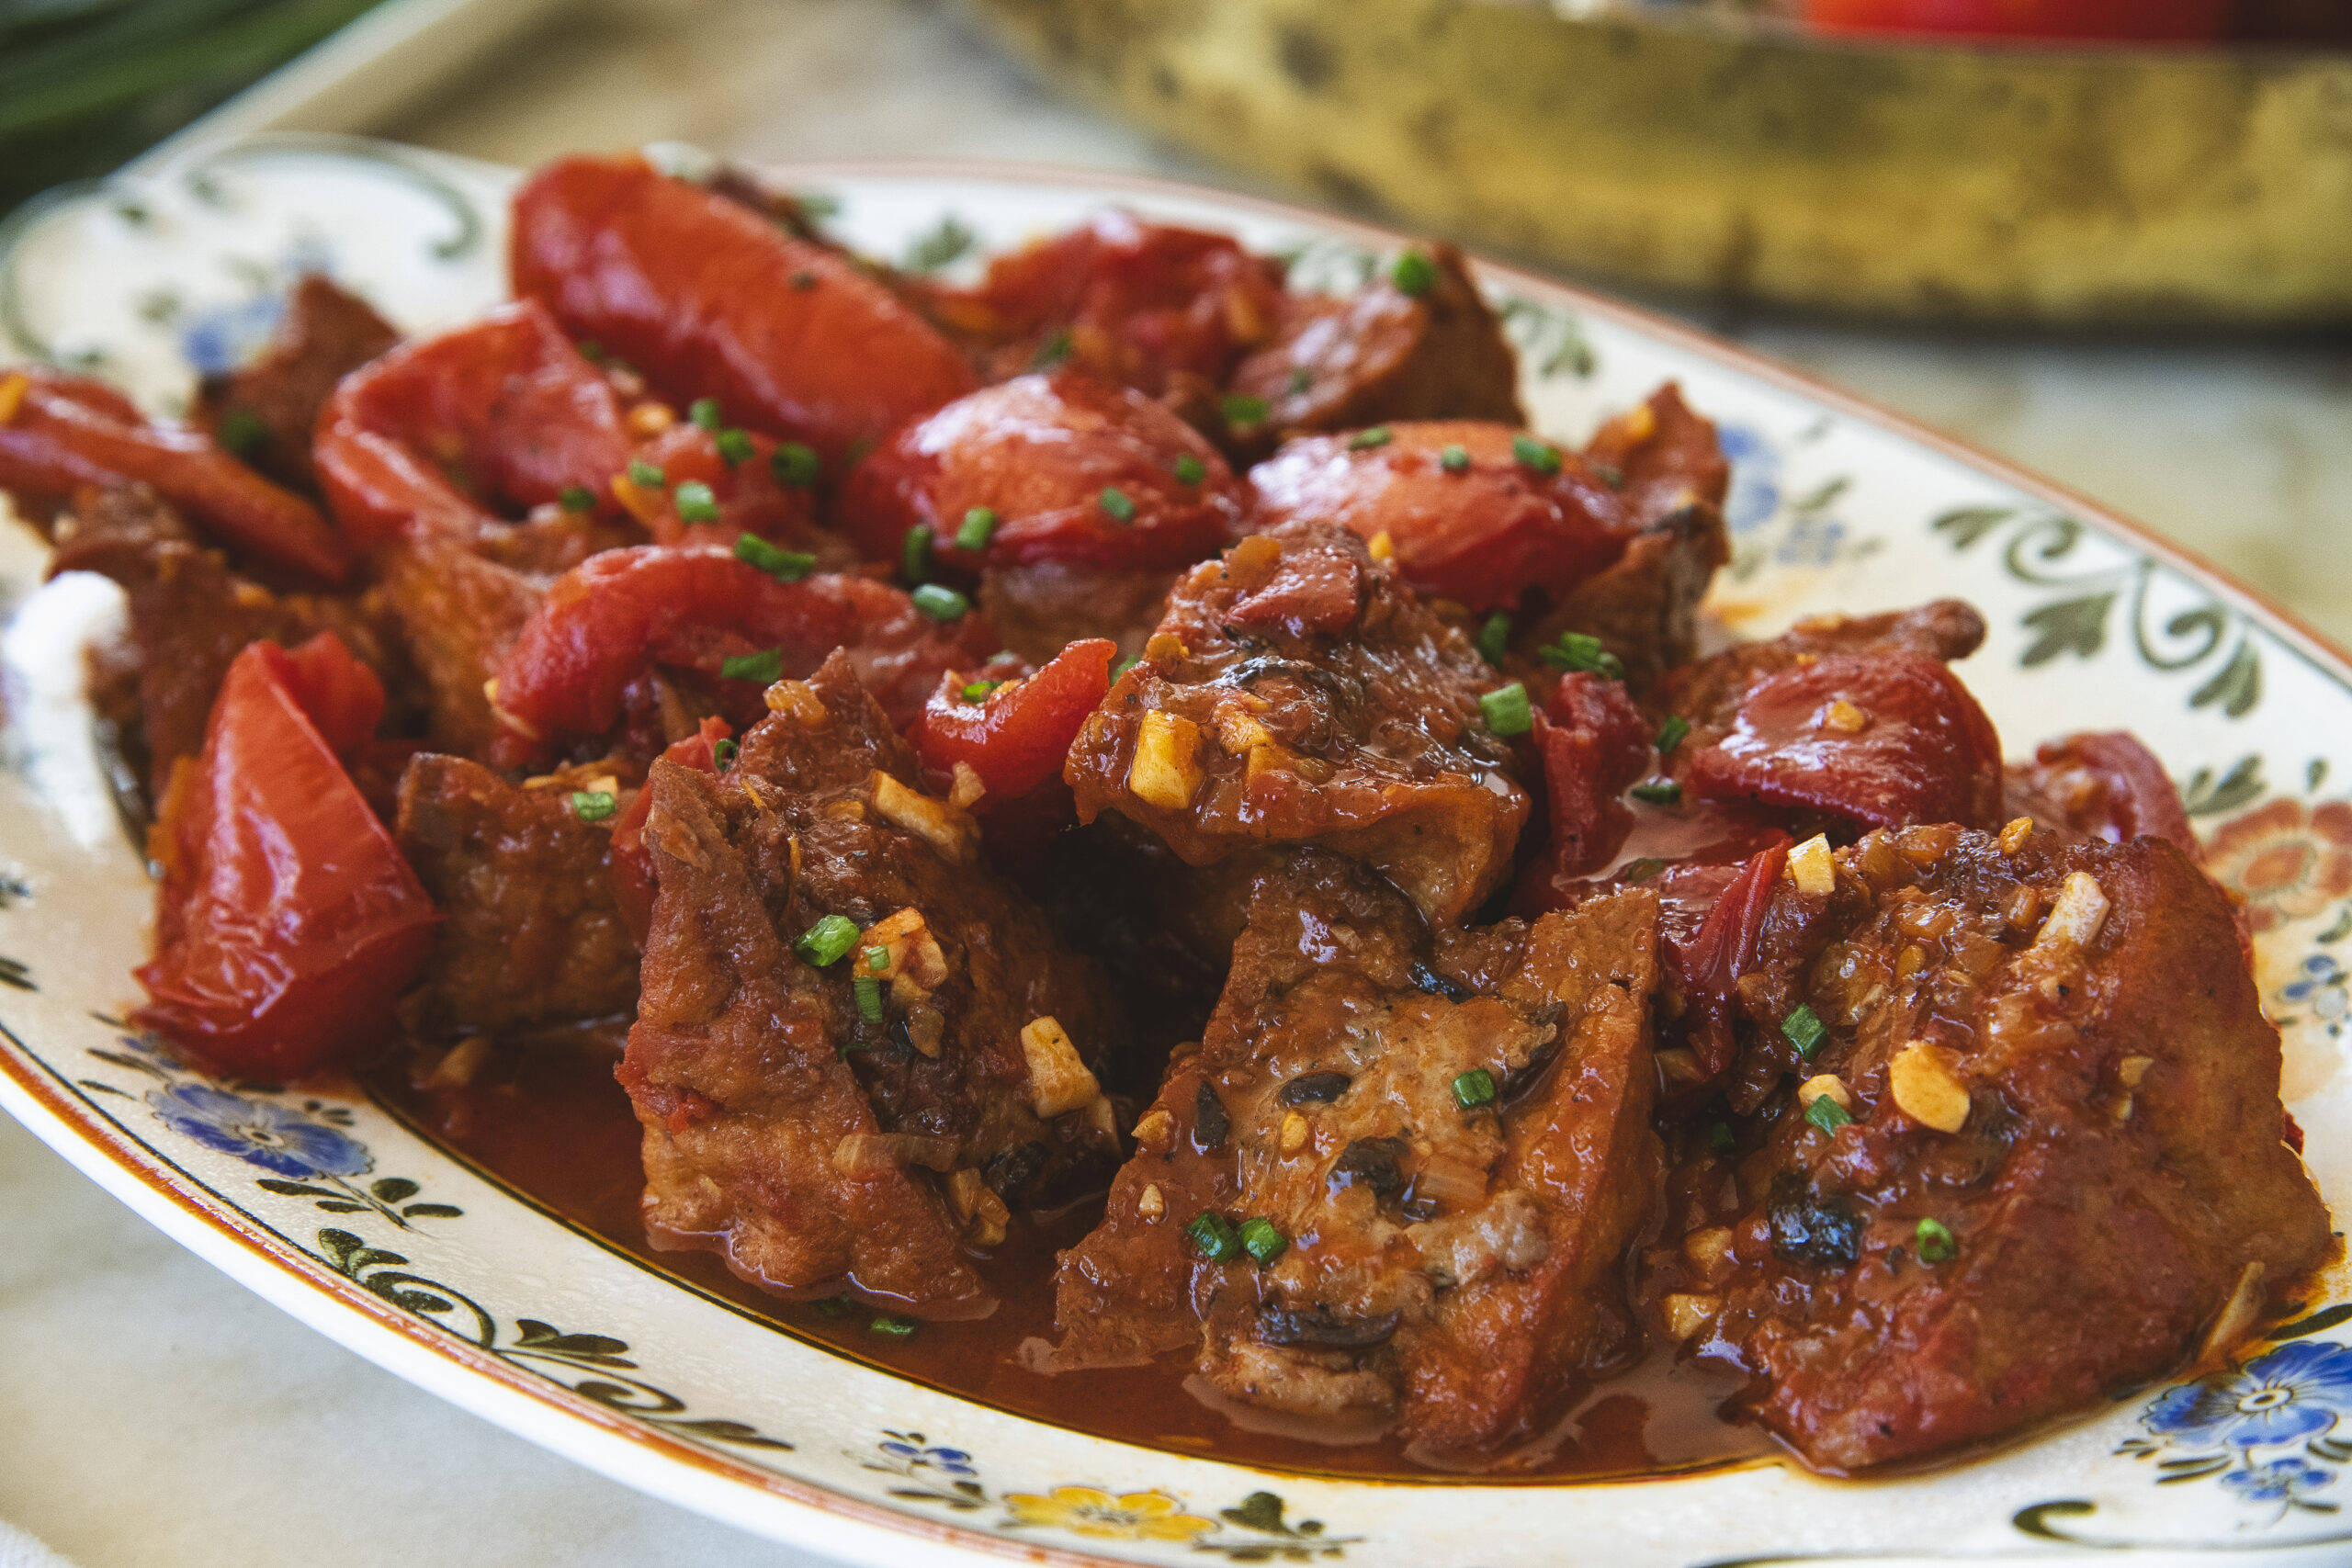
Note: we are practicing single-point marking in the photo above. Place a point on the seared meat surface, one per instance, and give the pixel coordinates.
(1296, 693)
(265, 412)
(1377, 1193)
(2056, 1157)
(854, 1124)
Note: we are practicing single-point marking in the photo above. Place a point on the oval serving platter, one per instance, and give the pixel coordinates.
(339, 1211)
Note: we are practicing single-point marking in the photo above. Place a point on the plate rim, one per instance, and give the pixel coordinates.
(818, 1517)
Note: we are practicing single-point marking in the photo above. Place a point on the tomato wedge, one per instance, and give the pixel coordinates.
(1016, 737)
(289, 922)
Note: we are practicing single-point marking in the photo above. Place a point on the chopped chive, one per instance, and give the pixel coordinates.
(1580, 650)
(795, 466)
(591, 805)
(1671, 734)
(1719, 1137)
(704, 411)
(1214, 1235)
(977, 692)
(789, 566)
(645, 474)
(940, 603)
(1301, 378)
(868, 991)
(1610, 475)
(803, 279)
(1263, 1239)
(1051, 352)
(1244, 409)
(576, 498)
(1125, 664)
(1507, 711)
(1804, 1029)
(1494, 638)
(722, 753)
(914, 553)
(1473, 1088)
(1453, 457)
(695, 502)
(734, 446)
(590, 350)
(836, 1306)
(1657, 792)
(1365, 440)
(1641, 870)
(1826, 1113)
(892, 1327)
(1936, 1243)
(765, 666)
(878, 960)
(1114, 502)
(242, 432)
(1188, 470)
(979, 526)
(828, 942)
(1541, 456)
(1414, 273)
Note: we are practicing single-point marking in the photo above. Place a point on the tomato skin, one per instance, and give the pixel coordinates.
(607, 619)
(1039, 451)
(632, 869)
(68, 432)
(2109, 785)
(288, 921)
(1710, 962)
(1594, 743)
(507, 400)
(342, 698)
(699, 293)
(2178, 20)
(1017, 737)
(1481, 537)
(1927, 754)
(750, 498)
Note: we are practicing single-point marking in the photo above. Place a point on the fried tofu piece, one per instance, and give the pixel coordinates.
(265, 412)
(856, 1123)
(1380, 1194)
(1296, 693)
(2057, 1151)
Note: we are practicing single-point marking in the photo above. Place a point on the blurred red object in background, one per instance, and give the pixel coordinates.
(2175, 20)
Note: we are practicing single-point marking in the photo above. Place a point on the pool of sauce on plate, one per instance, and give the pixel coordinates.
(554, 1125)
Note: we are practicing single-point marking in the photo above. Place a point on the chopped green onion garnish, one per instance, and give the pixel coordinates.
(1936, 1243)
(878, 960)
(1473, 1088)
(1301, 378)
(1189, 470)
(1453, 457)
(1541, 456)
(939, 602)
(836, 1306)
(1641, 870)
(1671, 734)
(591, 805)
(1114, 502)
(914, 553)
(979, 524)
(1414, 272)
(1657, 792)
(765, 666)
(1494, 638)
(1805, 1030)
(977, 692)
(1214, 1235)
(576, 498)
(1507, 711)
(804, 278)
(1580, 650)
(242, 432)
(1826, 1113)
(1051, 352)
(734, 446)
(1364, 440)
(795, 466)
(790, 566)
(590, 349)
(827, 941)
(1610, 475)
(1263, 1239)
(722, 753)
(1242, 409)
(704, 411)
(1719, 1137)
(892, 1327)
(1125, 664)
(695, 503)
(868, 991)
(641, 472)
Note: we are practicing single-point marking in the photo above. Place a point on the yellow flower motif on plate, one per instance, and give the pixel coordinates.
(1091, 1511)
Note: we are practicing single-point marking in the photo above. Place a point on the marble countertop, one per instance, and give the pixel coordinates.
(172, 1420)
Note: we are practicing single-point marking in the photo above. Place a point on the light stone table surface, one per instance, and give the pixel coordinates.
(152, 1414)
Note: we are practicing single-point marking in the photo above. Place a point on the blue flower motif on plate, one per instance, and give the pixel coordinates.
(954, 1462)
(217, 340)
(1755, 476)
(2280, 1481)
(2295, 1391)
(258, 1132)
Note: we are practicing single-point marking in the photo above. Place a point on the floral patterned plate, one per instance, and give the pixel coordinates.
(342, 1215)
